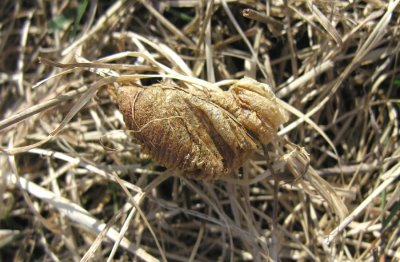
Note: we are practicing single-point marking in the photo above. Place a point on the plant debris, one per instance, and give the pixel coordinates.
(76, 183)
(204, 133)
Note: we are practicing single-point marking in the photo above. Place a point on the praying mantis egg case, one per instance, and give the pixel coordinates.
(204, 135)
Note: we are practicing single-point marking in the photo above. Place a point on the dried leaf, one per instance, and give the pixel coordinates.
(205, 134)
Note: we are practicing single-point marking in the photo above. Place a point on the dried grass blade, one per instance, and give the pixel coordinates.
(240, 31)
(304, 118)
(391, 175)
(275, 26)
(288, 88)
(99, 239)
(324, 21)
(82, 102)
(298, 163)
(77, 214)
(176, 59)
(40, 108)
(97, 27)
(167, 23)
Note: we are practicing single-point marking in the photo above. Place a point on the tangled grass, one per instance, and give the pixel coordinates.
(74, 186)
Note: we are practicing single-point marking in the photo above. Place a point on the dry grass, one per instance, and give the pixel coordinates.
(74, 186)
